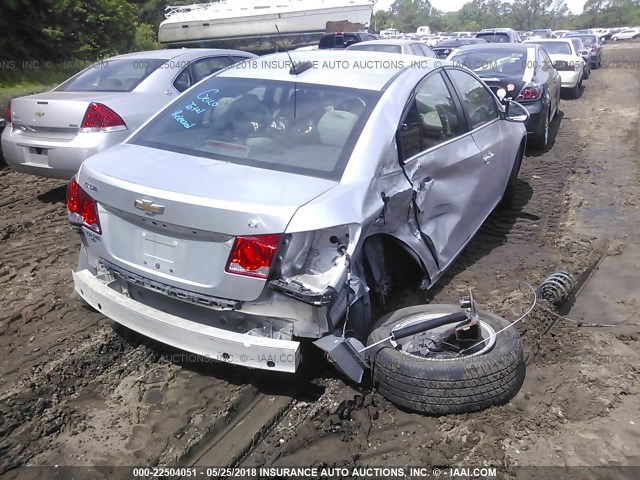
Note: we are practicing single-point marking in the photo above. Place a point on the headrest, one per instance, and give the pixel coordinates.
(335, 127)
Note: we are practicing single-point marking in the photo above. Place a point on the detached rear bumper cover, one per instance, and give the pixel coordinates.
(218, 344)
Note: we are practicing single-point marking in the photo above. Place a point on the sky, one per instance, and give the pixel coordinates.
(453, 5)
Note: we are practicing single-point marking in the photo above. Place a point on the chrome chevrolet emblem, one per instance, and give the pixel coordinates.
(148, 207)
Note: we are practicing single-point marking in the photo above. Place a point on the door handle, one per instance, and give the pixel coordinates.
(487, 158)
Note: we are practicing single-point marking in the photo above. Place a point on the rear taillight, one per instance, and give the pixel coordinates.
(100, 118)
(83, 210)
(7, 113)
(252, 256)
(529, 93)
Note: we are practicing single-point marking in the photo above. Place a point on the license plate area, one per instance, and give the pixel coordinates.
(37, 155)
(160, 253)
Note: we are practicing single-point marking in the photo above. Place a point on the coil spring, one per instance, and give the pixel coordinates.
(557, 287)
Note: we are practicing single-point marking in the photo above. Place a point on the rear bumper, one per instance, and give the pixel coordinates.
(537, 112)
(570, 79)
(236, 348)
(54, 157)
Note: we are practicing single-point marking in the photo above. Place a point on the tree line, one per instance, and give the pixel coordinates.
(408, 15)
(63, 30)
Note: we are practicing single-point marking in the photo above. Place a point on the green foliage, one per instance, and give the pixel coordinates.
(407, 15)
(144, 38)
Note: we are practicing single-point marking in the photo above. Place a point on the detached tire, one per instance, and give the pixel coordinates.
(444, 386)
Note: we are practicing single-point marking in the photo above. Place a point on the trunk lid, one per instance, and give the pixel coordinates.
(200, 205)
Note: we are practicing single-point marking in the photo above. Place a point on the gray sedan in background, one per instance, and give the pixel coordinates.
(50, 134)
(249, 213)
(407, 47)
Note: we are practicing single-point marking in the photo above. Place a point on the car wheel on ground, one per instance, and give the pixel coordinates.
(541, 139)
(575, 91)
(447, 382)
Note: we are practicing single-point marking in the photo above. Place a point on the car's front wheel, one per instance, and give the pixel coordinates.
(419, 376)
(508, 197)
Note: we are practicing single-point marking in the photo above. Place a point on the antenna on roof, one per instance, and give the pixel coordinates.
(293, 70)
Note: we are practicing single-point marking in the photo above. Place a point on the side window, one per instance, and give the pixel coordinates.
(426, 51)
(432, 118)
(183, 80)
(479, 103)
(416, 50)
(207, 66)
(239, 59)
(546, 60)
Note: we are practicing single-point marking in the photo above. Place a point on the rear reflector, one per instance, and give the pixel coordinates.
(83, 210)
(100, 118)
(252, 256)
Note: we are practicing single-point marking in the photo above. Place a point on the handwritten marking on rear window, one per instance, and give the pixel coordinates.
(181, 120)
(192, 107)
(206, 99)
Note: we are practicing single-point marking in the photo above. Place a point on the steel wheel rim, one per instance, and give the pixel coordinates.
(488, 335)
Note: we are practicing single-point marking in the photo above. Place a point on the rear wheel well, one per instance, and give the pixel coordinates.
(390, 266)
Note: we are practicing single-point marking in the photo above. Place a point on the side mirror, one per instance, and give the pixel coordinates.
(520, 114)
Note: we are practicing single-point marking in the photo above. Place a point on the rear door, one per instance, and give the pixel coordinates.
(444, 164)
(483, 117)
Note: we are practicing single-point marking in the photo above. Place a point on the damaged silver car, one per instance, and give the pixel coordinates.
(245, 217)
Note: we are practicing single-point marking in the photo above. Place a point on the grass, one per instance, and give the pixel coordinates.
(17, 83)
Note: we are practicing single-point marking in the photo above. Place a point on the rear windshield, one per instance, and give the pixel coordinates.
(338, 40)
(541, 33)
(493, 62)
(112, 76)
(557, 48)
(496, 37)
(587, 39)
(287, 126)
(377, 48)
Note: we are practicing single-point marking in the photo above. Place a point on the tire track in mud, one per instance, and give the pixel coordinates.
(73, 390)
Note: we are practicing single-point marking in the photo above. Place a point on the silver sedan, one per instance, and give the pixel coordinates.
(246, 215)
(51, 134)
(407, 47)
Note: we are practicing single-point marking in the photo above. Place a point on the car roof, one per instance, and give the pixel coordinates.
(382, 41)
(186, 53)
(452, 42)
(353, 68)
(519, 47)
(547, 40)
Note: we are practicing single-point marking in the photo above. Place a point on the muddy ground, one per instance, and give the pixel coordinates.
(75, 391)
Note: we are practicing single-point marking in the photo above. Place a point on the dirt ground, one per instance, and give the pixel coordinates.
(74, 391)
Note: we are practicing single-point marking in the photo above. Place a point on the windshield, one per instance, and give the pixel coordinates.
(560, 48)
(377, 48)
(493, 62)
(292, 127)
(494, 37)
(112, 76)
